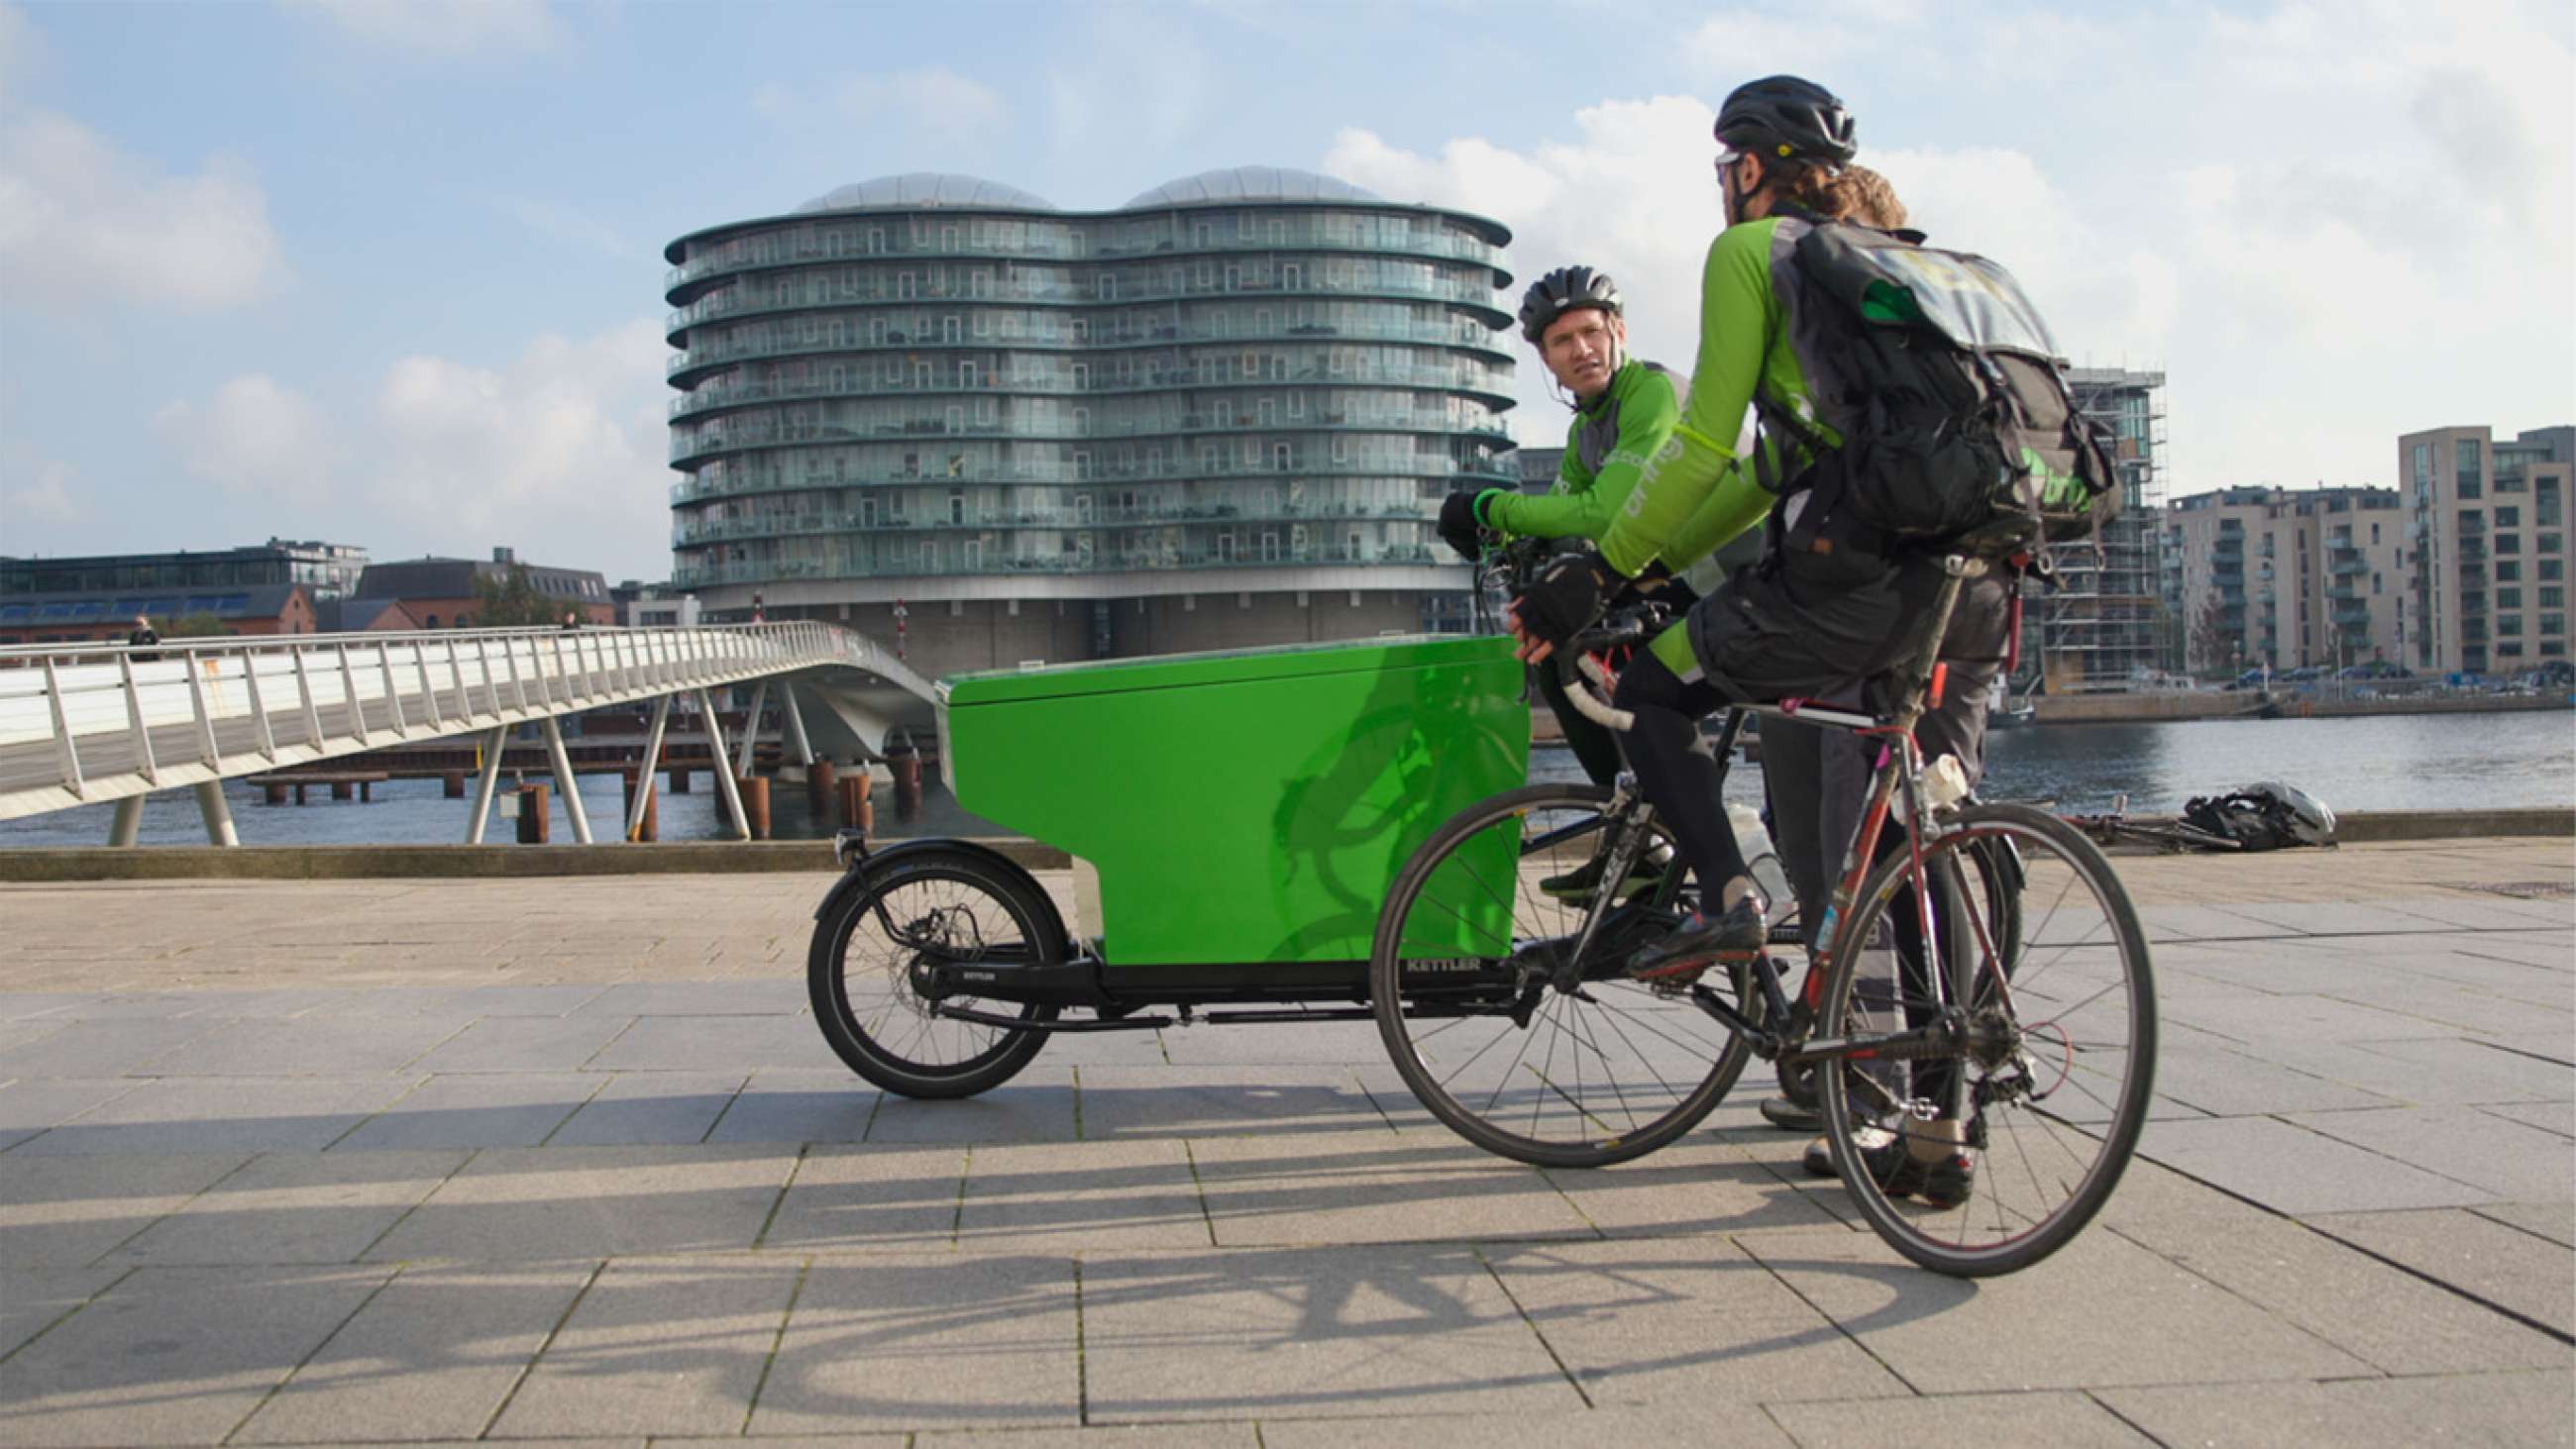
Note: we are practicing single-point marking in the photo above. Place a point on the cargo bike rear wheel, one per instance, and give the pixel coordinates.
(909, 910)
(1516, 1031)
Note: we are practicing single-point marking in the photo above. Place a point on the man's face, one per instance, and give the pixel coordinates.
(1582, 349)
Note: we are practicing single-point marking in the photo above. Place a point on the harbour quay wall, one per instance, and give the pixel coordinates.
(709, 857)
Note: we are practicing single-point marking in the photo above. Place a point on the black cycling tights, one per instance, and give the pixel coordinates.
(1678, 772)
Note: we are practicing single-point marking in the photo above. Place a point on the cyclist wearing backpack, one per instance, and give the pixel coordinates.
(1624, 409)
(1838, 337)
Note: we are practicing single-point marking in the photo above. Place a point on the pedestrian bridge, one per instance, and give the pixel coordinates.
(82, 724)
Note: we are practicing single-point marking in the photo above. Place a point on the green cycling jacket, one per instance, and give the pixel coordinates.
(1696, 493)
(1606, 446)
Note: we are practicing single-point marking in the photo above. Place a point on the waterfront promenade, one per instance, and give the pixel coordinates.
(565, 1160)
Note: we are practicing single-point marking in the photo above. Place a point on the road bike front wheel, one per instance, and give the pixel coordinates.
(1561, 1068)
(1997, 1124)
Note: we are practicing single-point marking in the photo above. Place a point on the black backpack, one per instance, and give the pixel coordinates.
(1946, 390)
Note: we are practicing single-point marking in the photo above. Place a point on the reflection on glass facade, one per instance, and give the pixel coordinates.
(927, 388)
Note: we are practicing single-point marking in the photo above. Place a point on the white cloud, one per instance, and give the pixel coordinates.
(45, 497)
(561, 450)
(570, 225)
(18, 43)
(253, 437)
(81, 221)
(1631, 194)
(1137, 81)
(442, 28)
(932, 96)
(2327, 225)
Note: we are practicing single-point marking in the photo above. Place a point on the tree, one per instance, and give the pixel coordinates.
(510, 600)
(199, 625)
(2211, 643)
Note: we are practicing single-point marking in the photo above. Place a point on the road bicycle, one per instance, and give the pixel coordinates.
(2018, 1029)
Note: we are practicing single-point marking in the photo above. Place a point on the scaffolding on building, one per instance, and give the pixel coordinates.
(2102, 627)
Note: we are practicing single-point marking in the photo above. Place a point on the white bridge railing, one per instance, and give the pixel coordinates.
(85, 723)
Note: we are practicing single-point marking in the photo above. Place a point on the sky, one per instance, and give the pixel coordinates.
(389, 272)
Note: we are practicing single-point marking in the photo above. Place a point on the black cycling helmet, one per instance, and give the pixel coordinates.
(1783, 117)
(1562, 291)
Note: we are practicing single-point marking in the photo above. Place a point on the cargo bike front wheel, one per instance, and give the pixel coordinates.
(910, 910)
(1498, 984)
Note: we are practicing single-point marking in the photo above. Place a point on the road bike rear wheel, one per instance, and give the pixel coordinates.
(2038, 1082)
(1463, 977)
(1995, 882)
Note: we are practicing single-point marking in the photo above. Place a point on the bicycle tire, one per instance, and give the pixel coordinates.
(2043, 1166)
(1641, 1069)
(908, 891)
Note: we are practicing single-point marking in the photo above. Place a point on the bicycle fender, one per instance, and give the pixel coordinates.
(862, 870)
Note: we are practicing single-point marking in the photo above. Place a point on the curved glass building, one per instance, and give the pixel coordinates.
(1222, 414)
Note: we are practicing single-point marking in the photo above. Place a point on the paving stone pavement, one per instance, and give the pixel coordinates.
(565, 1161)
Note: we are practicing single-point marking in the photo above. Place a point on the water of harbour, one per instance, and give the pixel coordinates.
(2370, 762)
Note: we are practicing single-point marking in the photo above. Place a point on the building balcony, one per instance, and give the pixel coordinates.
(2347, 565)
(688, 447)
(703, 355)
(731, 305)
(1493, 391)
(695, 532)
(697, 576)
(895, 249)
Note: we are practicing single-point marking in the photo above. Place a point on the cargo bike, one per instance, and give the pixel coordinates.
(1346, 832)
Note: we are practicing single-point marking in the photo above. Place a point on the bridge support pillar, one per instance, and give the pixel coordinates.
(724, 777)
(750, 729)
(486, 784)
(128, 823)
(565, 784)
(219, 816)
(755, 804)
(641, 821)
(795, 721)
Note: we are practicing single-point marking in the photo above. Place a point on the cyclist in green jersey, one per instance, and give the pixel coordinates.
(1830, 605)
(1624, 409)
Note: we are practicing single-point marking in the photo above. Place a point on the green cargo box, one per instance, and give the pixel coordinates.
(1248, 806)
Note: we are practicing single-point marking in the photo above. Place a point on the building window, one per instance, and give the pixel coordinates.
(2553, 570)
(2508, 598)
(2553, 624)
(2508, 571)
(2469, 476)
(2507, 516)
(2553, 543)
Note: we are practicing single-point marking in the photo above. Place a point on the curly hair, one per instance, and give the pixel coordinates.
(1855, 193)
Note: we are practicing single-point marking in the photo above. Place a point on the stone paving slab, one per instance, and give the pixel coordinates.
(32, 1299)
(1614, 1425)
(588, 1202)
(498, 1109)
(893, 1342)
(63, 1212)
(870, 1197)
(651, 1108)
(2292, 1170)
(1338, 1331)
(1187, 1099)
(522, 1044)
(1684, 1323)
(31, 1106)
(227, 1114)
(433, 1356)
(2506, 1158)
(1264, 1191)
(2508, 1408)
(672, 1347)
(827, 1105)
(2073, 1420)
(2139, 1319)
(173, 1355)
(2503, 1265)
(294, 1208)
(1090, 1196)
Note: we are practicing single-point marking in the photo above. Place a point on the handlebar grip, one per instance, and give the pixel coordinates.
(1587, 700)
